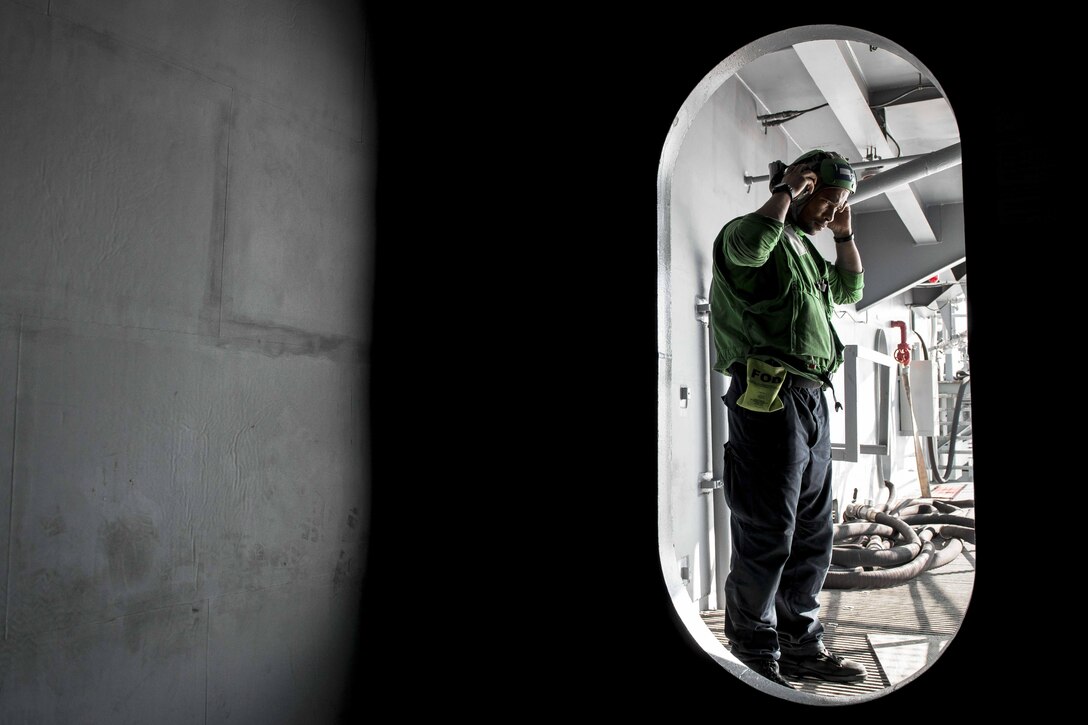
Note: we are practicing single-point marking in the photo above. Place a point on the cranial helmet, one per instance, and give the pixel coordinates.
(831, 169)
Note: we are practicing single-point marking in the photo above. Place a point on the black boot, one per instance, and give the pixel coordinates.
(823, 666)
(769, 669)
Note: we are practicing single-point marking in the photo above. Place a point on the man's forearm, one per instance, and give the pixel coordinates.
(847, 256)
(775, 207)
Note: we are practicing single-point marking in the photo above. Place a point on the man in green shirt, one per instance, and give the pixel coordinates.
(772, 297)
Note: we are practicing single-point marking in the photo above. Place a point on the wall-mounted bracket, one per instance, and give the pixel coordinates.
(707, 482)
(702, 310)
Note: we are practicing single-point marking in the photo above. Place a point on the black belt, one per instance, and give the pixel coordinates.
(796, 381)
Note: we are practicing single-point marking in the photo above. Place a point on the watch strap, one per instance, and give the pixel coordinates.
(783, 187)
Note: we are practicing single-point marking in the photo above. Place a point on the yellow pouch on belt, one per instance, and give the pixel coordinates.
(764, 382)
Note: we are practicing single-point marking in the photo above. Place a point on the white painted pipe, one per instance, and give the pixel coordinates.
(856, 165)
(721, 550)
(708, 394)
(919, 168)
(905, 169)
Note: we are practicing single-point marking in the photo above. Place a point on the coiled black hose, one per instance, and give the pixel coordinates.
(879, 557)
(920, 519)
(861, 528)
(883, 578)
(910, 553)
(949, 531)
(920, 508)
(945, 553)
(946, 507)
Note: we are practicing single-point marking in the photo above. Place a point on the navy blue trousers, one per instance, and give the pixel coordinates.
(777, 482)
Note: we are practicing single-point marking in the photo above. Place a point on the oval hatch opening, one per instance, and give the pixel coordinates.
(902, 455)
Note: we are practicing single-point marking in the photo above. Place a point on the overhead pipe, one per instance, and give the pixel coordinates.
(909, 168)
(914, 170)
(859, 165)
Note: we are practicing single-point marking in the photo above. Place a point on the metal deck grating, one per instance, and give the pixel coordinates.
(894, 632)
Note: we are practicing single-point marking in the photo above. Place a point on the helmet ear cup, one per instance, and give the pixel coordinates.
(777, 170)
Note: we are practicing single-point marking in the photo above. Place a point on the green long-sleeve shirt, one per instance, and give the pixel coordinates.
(772, 298)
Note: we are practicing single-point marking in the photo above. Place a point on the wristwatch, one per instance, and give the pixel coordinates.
(783, 187)
(843, 240)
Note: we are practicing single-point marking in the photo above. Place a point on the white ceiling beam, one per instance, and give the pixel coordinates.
(850, 103)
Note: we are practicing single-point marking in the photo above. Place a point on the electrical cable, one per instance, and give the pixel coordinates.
(779, 117)
(919, 87)
(898, 149)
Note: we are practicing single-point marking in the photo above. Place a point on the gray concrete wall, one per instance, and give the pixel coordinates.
(186, 235)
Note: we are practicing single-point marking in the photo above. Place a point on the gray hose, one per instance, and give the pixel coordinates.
(861, 528)
(879, 557)
(952, 531)
(883, 578)
(918, 508)
(919, 519)
(945, 553)
(916, 551)
(951, 507)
